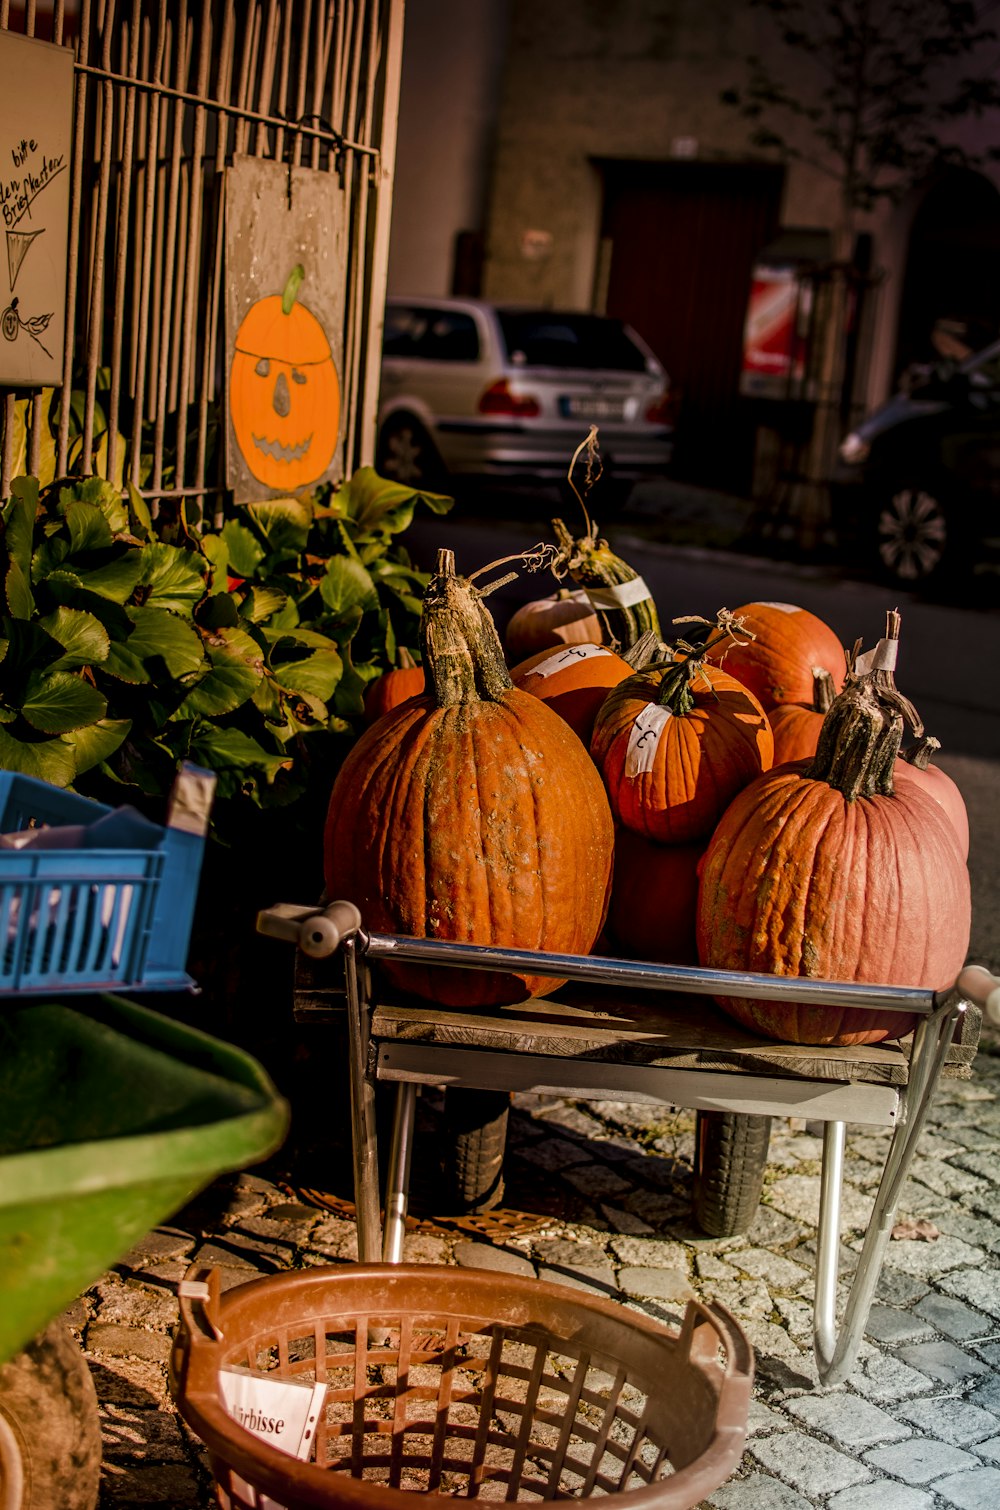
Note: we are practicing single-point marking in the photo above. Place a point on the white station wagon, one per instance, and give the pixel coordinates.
(487, 391)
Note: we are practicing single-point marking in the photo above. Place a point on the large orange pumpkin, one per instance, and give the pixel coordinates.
(778, 663)
(284, 393)
(472, 813)
(654, 898)
(574, 680)
(916, 766)
(796, 726)
(674, 743)
(825, 869)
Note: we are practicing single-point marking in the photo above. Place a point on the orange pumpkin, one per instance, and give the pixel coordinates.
(915, 765)
(789, 644)
(674, 744)
(284, 393)
(654, 897)
(565, 618)
(796, 726)
(403, 681)
(574, 680)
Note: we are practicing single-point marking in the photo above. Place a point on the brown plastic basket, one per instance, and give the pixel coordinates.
(466, 1383)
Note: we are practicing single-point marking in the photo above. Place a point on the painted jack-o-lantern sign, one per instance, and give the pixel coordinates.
(284, 393)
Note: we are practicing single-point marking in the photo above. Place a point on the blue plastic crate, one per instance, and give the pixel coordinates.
(92, 919)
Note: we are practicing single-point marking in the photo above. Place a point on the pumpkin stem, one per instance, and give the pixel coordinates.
(463, 660)
(919, 754)
(532, 560)
(291, 289)
(824, 690)
(404, 660)
(588, 444)
(646, 651)
(880, 665)
(863, 727)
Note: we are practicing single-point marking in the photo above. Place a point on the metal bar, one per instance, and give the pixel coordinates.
(597, 970)
(300, 91)
(169, 259)
(9, 421)
(121, 242)
(398, 1177)
(836, 1352)
(363, 1140)
(244, 113)
(192, 259)
(73, 257)
(100, 232)
(267, 75)
(750, 1095)
(146, 357)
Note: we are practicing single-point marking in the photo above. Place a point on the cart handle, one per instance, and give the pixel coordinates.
(981, 987)
(317, 931)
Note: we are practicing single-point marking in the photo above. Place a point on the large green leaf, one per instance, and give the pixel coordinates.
(284, 522)
(347, 587)
(47, 759)
(245, 550)
(116, 578)
(83, 638)
(56, 702)
(19, 520)
(261, 602)
(20, 599)
(348, 700)
(158, 632)
(376, 504)
(299, 636)
(317, 674)
(50, 557)
(174, 577)
(89, 530)
(96, 742)
(124, 665)
(236, 671)
(103, 495)
(218, 748)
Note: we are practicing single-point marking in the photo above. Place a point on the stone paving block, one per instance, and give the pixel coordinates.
(757, 1492)
(983, 1164)
(898, 1289)
(744, 1297)
(655, 1284)
(649, 1252)
(978, 1489)
(809, 1466)
(131, 1303)
(128, 1342)
(953, 1421)
(572, 1255)
(944, 1179)
(979, 1287)
(761, 1418)
(573, 1119)
(990, 1449)
(797, 1316)
(930, 1260)
(711, 1268)
(892, 1326)
(885, 1495)
(170, 1485)
(883, 1379)
(160, 1244)
(595, 1281)
(555, 1153)
(771, 1267)
(597, 1181)
(624, 1221)
(484, 1256)
(797, 1196)
(129, 1433)
(128, 1381)
(772, 1229)
(656, 1207)
(778, 1358)
(987, 1394)
(235, 1257)
(918, 1460)
(950, 1316)
(943, 1361)
(850, 1422)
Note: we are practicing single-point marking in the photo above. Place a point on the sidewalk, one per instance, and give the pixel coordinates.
(604, 1190)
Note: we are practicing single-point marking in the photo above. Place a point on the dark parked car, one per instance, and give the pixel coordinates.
(476, 389)
(918, 481)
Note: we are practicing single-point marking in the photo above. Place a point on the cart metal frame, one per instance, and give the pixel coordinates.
(408, 1062)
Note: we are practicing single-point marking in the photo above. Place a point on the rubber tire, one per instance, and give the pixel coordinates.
(50, 1430)
(901, 512)
(730, 1156)
(405, 454)
(475, 1132)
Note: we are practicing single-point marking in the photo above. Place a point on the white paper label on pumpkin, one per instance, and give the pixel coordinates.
(783, 607)
(882, 658)
(560, 659)
(621, 595)
(643, 739)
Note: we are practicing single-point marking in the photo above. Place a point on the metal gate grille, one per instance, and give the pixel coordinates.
(167, 93)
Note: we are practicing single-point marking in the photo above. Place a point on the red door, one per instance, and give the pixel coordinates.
(683, 237)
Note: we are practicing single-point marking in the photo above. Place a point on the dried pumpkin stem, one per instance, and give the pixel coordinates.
(462, 656)
(919, 755)
(859, 742)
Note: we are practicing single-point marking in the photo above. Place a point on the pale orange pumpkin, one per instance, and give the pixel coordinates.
(284, 392)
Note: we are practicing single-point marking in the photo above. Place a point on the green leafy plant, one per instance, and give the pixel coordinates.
(125, 648)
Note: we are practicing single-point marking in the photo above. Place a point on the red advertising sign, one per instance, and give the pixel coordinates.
(773, 350)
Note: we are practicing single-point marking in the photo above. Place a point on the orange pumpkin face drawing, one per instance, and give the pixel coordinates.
(284, 393)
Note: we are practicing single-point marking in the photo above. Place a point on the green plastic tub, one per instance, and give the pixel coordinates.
(111, 1118)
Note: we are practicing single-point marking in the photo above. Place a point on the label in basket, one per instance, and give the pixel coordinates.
(281, 1412)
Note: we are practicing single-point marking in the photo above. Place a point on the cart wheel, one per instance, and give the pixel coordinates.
(50, 1431)
(730, 1156)
(475, 1133)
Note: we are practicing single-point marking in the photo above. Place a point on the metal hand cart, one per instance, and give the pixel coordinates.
(638, 1036)
(112, 1116)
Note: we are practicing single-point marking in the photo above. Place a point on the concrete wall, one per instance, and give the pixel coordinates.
(452, 56)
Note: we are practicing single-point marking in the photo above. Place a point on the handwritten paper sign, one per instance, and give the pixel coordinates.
(36, 134)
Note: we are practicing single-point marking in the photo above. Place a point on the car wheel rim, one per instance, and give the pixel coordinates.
(404, 456)
(912, 534)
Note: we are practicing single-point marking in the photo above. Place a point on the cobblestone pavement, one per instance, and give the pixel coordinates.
(916, 1427)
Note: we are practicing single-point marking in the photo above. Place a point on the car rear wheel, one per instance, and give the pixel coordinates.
(913, 534)
(406, 453)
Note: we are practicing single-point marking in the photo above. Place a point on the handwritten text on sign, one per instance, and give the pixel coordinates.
(36, 114)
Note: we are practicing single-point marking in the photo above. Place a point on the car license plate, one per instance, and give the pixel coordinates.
(592, 407)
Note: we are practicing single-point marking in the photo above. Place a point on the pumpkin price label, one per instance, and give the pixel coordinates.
(560, 659)
(36, 114)
(644, 736)
(285, 250)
